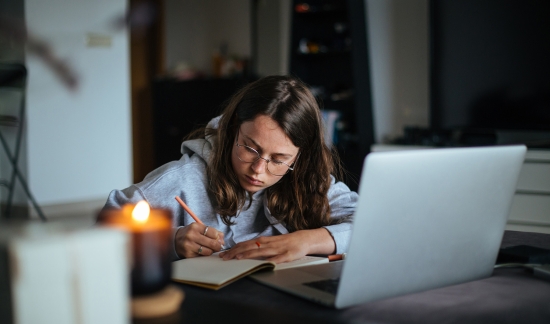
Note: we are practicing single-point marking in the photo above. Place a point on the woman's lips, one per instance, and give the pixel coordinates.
(253, 181)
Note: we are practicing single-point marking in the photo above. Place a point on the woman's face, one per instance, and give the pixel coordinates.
(265, 136)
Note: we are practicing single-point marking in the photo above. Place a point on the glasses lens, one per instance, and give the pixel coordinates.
(277, 168)
(247, 154)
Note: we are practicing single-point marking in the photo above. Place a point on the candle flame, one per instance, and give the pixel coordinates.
(141, 211)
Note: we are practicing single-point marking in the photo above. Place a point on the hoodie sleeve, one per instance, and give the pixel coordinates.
(185, 178)
(342, 202)
(118, 198)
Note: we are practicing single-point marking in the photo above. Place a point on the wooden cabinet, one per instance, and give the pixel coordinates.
(180, 107)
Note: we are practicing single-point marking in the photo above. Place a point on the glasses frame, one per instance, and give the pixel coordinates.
(290, 168)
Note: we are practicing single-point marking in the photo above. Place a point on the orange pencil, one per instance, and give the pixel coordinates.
(187, 209)
(336, 257)
(198, 220)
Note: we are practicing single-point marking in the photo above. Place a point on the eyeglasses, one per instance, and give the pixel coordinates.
(249, 155)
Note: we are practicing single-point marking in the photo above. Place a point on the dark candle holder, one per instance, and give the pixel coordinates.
(152, 269)
(151, 242)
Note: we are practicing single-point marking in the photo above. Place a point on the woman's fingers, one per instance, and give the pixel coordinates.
(212, 233)
(198, 239)
(241, 250)
(254, 249)
(203, 250)
(279, 248)
(238, 250)
(210, 239)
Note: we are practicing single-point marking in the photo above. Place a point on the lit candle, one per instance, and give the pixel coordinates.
(150, 230)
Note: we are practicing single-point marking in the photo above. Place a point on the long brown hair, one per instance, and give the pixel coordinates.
(299, 199)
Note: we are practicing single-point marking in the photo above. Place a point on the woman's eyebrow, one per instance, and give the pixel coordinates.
(260, 148)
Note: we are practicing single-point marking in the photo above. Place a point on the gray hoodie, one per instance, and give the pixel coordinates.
(187, 179)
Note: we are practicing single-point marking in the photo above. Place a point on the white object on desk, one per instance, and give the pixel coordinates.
(64, 275)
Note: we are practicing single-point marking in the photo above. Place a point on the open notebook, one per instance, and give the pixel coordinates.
(213, 272)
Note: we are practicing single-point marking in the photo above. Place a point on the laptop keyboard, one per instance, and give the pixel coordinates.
(328, 285)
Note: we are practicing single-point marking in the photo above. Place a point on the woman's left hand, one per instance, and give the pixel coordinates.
(283, 248)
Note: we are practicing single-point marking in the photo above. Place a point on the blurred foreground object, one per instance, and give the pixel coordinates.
(40, 48)
(15, 30)
(162, 304)
(63, 273)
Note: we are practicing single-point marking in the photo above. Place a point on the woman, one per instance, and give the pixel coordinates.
(259, 177)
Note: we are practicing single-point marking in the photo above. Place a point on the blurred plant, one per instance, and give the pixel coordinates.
(16, 31)
(137, 18)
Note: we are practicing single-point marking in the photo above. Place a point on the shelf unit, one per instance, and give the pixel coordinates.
(329, 53)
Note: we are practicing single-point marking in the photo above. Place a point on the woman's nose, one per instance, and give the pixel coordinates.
(259, 166)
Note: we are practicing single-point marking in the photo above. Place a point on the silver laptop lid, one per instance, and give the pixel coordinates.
(428, 218)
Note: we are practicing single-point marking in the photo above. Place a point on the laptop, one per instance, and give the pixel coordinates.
(425, 219)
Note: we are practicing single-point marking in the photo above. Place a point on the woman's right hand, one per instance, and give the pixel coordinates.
(197, 239)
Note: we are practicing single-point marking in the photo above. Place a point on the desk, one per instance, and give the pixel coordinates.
(509, 296)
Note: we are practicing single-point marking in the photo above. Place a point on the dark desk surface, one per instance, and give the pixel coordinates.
(509, 296)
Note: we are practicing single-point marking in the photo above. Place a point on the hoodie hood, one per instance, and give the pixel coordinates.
(201, 146)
